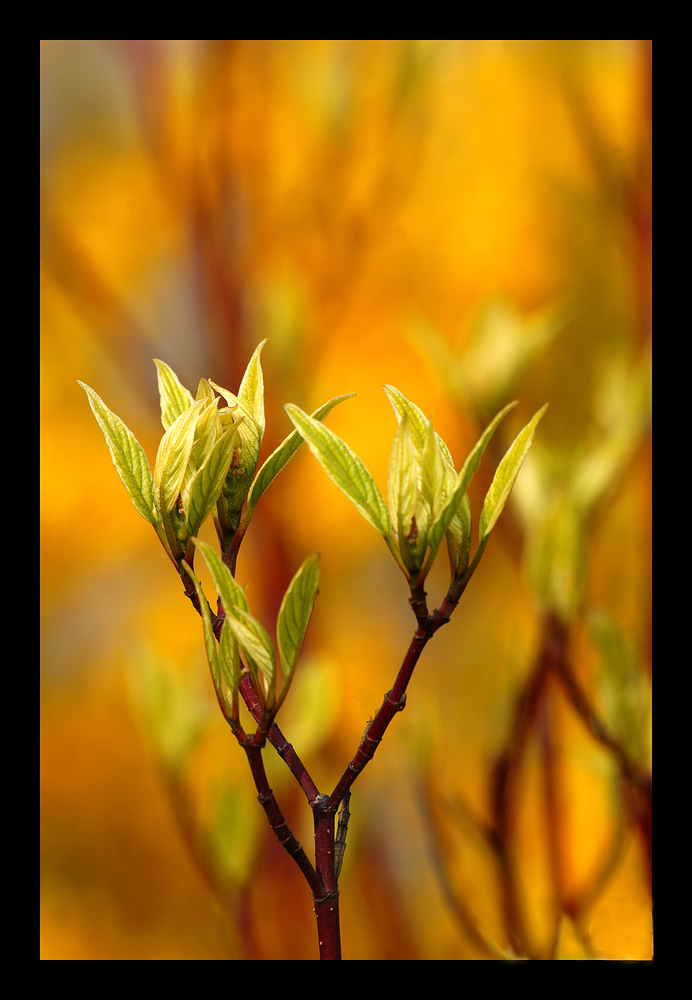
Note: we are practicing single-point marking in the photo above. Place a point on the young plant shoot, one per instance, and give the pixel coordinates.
(208, 464)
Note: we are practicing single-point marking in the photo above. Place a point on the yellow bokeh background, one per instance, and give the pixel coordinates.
(361, 204)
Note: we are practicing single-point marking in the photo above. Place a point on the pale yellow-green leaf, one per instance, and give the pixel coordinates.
(251, 391)
(209, 638)
(294, 613)
(404, 407)
(241, 473)
(432, 471)
(251, 434)
(255, 643)
(175, 398)
(419, 425)
(204, 390)
(228, 589)
(127, 455)
(281, 456)
(402, 482)
(229, 657)
(173, 456)
(506, 474)
(473, 460)
(200, 497)
(208, 429)
(344, 468)
(459, 537)
(457, 485)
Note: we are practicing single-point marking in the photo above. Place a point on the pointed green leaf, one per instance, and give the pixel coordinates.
(294, 613)
(251, 391)
(460, 483)
(432, 470)
(459, 538)
(229, 658)
(242, 470)
(255, 643)
(208, 429)
(402, 494)
(505, 476)
(175, 398)
(251, 433)
(127, 455)
(209, 637)
(204, 490)
(419, 425)
(247, 631)
(281, 456)
(404, 407)
(344, 468)
(228, 589)
(205, 391)
(476, 453)
(402, 482)
(173, 456)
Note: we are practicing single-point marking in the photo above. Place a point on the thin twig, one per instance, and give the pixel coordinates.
(341, 831)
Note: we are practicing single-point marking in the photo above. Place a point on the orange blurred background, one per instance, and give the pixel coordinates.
(384, 212)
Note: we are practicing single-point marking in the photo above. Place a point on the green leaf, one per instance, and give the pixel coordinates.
(173, 456)
(459, 538)
(474, 458)
(251, 391)
(419, 425)
(461, 482)
(248, 632)
(402, 482)
(204, 390)
(344, 468)
(209, 637)
(281, 456)
(229, 590)
(200, 497)
(251, 433)
(208, 429)
(294, 613)
(249, 406)
(255, 643)
(432, 471)
(505, 476)
(127, 455)
(402, 493)
(229, 658)
(175, 398)
(405, 408)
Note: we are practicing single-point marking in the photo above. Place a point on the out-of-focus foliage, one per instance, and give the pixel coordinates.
(470, 222)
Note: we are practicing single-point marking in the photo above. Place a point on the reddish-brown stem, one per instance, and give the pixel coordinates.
(277, 739)
(327, 902)
(394, 701)
(323, 879)
(277, 822)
